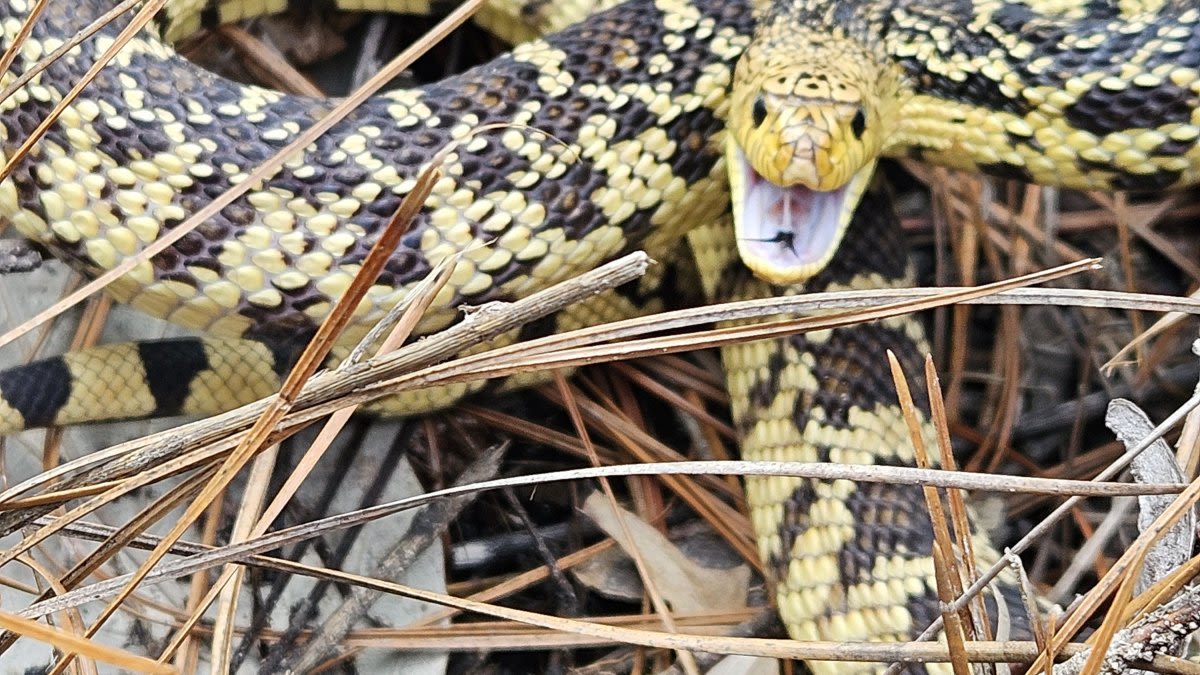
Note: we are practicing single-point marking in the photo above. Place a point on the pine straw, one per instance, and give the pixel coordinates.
(615, 416)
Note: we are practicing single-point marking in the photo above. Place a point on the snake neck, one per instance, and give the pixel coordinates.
(1088, 96)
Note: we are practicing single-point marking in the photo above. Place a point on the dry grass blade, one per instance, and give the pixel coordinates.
(75, 40)
(425, 528)
(70, 643)
(145, 461)
(916, 652)
(660, 606)
(1121, 579)
(516, 635)
(1043, 527)
(204, 558)
(956, 635)
(677, 400)
(539, 305)
(867, 652)
(419, 302)
(139, 21)
(554, 351)
(224, 625)
(902, 652)
(113, 543)
(277, 72)
(313, 356)
(523, 580)
(980, 482)
(1158, 327)
(945, 567)
(21, 37)
(544, 435)
(505, 588)
(958, 507)
(264, 170)
(153, 457)
(725, 519)
(54, 497)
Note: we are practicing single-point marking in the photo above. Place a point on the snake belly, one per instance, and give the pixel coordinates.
(632, 102)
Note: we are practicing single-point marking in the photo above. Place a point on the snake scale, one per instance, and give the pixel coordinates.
(616, 141)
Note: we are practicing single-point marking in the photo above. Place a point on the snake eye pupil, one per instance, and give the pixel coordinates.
(859, 124)
(759, 111)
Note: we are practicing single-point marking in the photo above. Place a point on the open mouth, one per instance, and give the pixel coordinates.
(785, 235)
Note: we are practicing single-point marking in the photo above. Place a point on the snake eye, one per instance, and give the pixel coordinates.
(759, 111)
(859, 124)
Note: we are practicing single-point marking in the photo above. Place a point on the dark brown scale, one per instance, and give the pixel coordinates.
(205, 263)
(168, 261)
(190, 246)
(350, 175)
(1027, 140)
(178, 276)
(240, 214)
(1060, 39)
(1005, 170)
(1173, 148)
(1149, 182)
(690, 128)
(384, 205)
(848, 373)
(293, 294)
(1102, 112)
(458, 104)
(893, 520)
(405, 264)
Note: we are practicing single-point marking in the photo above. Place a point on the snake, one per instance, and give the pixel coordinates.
(633, 128)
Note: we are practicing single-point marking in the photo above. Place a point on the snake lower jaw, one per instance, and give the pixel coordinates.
(786, 235)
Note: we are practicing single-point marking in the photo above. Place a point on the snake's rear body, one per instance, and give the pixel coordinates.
(630, 108)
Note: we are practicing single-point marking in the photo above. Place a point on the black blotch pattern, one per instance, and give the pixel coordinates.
(491, 93)
(851, 370)
(171, 365)
(1103, 112)
(1145, 182)
(1006, 170)
(37, 390)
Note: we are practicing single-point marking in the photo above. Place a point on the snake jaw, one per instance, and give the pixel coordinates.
(785, 235)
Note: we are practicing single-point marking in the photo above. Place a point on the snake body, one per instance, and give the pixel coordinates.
(1076, 94)
(630, 108)
(269, 265)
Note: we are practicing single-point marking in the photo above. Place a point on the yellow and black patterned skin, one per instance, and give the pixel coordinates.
(1080, 94)
(155, 137)
(849, 561)
(1072, 94)
(152, 140)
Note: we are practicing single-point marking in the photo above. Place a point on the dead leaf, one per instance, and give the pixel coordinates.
(687, 586)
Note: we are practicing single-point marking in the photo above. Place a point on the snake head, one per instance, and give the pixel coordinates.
(806, 128)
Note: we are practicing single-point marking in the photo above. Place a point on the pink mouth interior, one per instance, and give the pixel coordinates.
(789, 227)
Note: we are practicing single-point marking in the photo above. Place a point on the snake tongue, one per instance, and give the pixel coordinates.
(785, 235)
